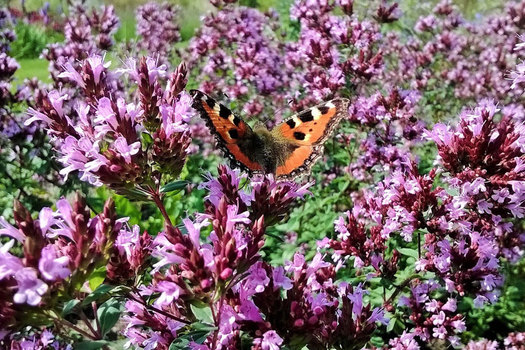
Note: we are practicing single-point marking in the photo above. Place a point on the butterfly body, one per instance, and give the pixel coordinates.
(288, 150)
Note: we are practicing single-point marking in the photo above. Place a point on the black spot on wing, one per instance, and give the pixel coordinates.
(306, 116)
(224, 112)
(324, 109)
(210, 102)
(236, 120)
(291, 123)
(299, 135)
(233, 133)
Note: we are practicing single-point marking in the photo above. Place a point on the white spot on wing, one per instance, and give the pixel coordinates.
(316, 113)
(330, 104)
(297, 121)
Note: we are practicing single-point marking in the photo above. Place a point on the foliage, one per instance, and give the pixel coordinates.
(31, 40)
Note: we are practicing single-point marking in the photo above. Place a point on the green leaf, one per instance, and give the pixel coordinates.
(108, 314)
(174, 186)
(69, 306)
(203, 327)
(101, 290)
(409, 252)
(90, 345)
(97, 277)
(391, 324)
(202, 314)
(179, 344)
(198, 336)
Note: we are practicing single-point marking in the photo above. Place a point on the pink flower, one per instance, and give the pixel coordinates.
(30, 287)
(125, 150)
(169, 292)
(271, 341)
(11, 231)
(51, 266)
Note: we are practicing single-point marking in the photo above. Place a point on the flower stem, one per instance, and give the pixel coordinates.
(158, 201)
(94, 306)
(84, 318)
(400, 287)
(153, 308)
(75, 328)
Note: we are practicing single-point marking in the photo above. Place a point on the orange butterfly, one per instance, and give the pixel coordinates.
(288, 150)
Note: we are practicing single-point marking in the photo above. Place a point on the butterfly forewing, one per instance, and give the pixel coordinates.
(227, 128)
(309, 130)
(314, 125)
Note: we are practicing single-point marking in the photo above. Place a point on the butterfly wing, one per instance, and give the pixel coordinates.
(298, 162)
(228, 129)
(308, 130)
(314, 126)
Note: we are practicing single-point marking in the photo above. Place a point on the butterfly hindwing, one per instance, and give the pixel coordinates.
(308, 130)
(228, 129)
(313, 126)
(299, 161)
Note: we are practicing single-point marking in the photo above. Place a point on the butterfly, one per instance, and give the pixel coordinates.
(288, 150)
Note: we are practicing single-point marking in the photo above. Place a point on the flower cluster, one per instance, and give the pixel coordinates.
(23, 149)
(7, 35)
(60, 250)
(8, 67)
(450, 59)
(104, 136)
(39, 341)
(226, 278)
(158, 30)
(86, 33)
(467, 227)
(513, 341)
(331, 52)
(237, 52)
(391, 127)
(313, 309)
(432, 319)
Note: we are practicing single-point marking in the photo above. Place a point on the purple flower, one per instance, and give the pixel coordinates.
(11, 231)
(280, 280)
(9, 264)
(156, 24)
(51, 266)
(169, 291)
(257, 280)
(125, 150)
(30, 287)
(271, 341)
